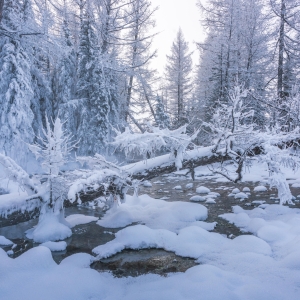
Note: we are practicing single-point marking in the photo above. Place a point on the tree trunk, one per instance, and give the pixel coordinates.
(281, 50)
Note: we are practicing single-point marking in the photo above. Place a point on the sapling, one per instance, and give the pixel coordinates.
(53, 150)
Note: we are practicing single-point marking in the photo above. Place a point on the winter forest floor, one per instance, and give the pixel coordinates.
(144, 253)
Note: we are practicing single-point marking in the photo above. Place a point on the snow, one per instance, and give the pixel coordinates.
(202, 190)
(241, 196)
(246, 189)
(165, 160)
(189, 186)
(78, 219)
(177, 187)
(49, 228)
(210, 200)
(260, 188)
(4, 241)
(155, 213)
(235, 191)
(147, 183)
(197, 198)
(55, 246)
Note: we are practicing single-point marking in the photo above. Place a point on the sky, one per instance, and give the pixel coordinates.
(171, 15)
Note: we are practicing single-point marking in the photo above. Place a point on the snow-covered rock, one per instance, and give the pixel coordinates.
(202, 190)
(241, 196)
(177, 187)
(147, 183)
(246, 189)
(260, 188)
(258, 202)
(189, 186)
(235, 191)
(210, 200)
(197, 198)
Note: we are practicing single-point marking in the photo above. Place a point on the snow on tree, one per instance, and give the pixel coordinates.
(153, 140)
(53, 150)
(15, 89)
(178, 76)
(237, 138)
(161, 117)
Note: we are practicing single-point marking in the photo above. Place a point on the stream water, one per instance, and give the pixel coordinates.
(134, 263)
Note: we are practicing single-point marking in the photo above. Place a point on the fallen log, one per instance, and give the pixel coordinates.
(144, 170)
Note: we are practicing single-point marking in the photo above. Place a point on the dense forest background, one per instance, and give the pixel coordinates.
(89, 62)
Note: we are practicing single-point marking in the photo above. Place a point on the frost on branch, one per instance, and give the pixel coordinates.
(15, 173)
(153, 140)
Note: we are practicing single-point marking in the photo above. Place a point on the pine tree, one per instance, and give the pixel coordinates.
(161, 118)
(15, 89)
(178, 75)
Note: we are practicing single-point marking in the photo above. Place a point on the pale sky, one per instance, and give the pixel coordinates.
(171, 15)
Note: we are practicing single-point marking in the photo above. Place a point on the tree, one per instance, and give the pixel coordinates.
(15, 89)
(178, 76)
(54, 150)
(161, 117)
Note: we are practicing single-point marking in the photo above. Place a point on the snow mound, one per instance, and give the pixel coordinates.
(177, 187)
(55, 246)
(210, 200)
(49, 228)
(147, 183)
(202, 190)
(155, 213)
(241, 196)
(213, 194)
(193, 241)
(246, 189)
(296, 185)
(189, 186)
(260, 188)
(197, 198)
(78, 219)
(4, 241)
(235, 191)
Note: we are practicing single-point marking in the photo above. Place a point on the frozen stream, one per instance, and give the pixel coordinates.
(133, 263)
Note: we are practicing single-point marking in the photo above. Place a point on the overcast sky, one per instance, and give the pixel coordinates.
(171, 15)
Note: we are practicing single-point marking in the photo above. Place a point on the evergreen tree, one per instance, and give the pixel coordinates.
(178, 75)
(15, 89)
(94, 91)
(161, 117)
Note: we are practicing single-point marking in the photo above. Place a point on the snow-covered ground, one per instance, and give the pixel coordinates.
(265, 265)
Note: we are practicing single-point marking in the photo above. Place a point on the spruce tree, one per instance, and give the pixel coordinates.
(15, 89)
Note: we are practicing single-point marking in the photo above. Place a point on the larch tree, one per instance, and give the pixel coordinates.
(178, 77)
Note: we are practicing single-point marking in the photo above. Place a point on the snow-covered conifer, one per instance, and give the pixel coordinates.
(15, 89)
(161, 117)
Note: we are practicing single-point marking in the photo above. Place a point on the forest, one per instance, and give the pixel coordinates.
(122, 180)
